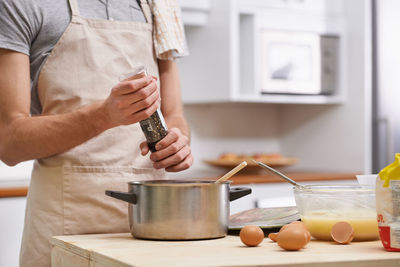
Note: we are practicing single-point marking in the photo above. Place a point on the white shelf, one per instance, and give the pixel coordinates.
(312, 7)
(200, 5)
(291, 99)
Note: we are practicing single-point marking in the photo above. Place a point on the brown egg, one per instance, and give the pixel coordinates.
(308, 234)
(292, 238)
(286, 226)
(305, 228)
(273, 236)
(300, 224)
(293, 224)
(251, 235)
(342, 232)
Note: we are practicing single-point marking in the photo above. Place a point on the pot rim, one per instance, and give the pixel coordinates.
(177, 182)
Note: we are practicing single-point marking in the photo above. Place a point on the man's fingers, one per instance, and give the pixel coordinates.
(129, 76)
(144, 148)
(128, 87)
(143, 103)
(173, 148)
(174, 159)
(172, 136)
(143, 114)
(173, 152)
(184, 165)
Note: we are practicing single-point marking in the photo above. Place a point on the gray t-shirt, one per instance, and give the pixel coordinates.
(33, 27)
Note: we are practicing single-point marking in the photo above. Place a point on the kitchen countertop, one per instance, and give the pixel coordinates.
(16, 188)
(13, 191)
(13, 187)
(297, 176)
(119, 250)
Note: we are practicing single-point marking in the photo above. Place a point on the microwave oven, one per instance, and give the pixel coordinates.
(298, 63)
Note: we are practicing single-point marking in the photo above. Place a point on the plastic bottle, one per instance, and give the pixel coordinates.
(388, 205)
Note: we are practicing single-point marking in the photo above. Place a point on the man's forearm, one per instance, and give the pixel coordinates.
(27, 138)
(178, 121)
(172, 107)
(23, 137)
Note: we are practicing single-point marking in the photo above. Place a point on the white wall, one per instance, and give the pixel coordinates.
(229, 127)
(18, 172)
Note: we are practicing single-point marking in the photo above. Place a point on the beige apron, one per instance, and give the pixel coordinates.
(66, 194)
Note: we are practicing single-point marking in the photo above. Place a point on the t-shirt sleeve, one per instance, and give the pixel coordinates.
(19, 24)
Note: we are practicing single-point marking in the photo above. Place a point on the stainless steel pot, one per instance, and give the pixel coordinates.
(177, 209)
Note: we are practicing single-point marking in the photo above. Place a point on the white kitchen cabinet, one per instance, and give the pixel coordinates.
(11, 226)
(326, 133)
(224, 61)
(195, 12)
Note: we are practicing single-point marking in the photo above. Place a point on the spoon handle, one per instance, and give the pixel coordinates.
(265, 166)
(232, 172)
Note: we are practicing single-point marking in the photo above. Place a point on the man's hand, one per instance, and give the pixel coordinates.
(131, 101)
(173, 152)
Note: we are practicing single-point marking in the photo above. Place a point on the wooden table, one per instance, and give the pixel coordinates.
(117, 250)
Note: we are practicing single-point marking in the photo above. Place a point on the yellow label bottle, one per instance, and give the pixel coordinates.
(388, 205)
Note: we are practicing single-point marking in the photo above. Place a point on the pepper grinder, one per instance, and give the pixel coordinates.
(154, 127)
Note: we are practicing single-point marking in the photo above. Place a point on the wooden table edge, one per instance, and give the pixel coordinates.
(94, 255)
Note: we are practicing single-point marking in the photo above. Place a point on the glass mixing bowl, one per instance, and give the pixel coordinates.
(321, 206)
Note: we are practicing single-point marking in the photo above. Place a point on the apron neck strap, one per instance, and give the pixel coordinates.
(73, 4)
(146, 10)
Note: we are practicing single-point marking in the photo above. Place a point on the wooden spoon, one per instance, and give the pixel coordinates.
(231, 172)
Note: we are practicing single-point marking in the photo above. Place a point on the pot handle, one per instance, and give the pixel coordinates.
(127, 197)
(238, 192)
